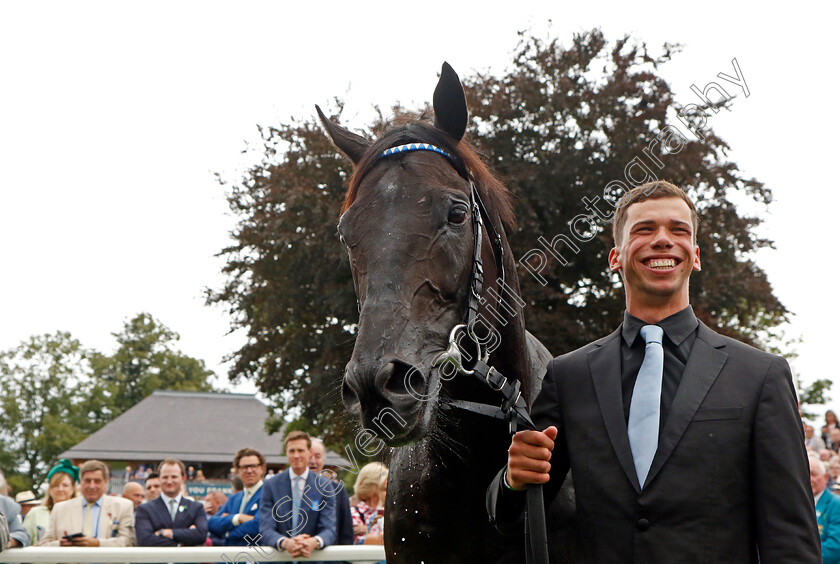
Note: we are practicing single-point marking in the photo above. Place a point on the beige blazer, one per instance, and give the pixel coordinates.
(116, 521)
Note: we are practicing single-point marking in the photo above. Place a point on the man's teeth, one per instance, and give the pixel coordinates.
(662, 263)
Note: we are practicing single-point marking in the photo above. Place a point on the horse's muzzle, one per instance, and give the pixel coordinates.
(396, 385)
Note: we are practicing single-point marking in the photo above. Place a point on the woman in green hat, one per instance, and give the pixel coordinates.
(62, 479)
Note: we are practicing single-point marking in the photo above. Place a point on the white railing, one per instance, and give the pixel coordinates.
(230, 554)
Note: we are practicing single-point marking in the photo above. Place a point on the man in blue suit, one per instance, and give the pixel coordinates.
(171, 519)
(828, 513)
(297, 509)
(237, 521)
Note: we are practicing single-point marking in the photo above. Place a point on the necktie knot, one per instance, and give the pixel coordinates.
(652, 334)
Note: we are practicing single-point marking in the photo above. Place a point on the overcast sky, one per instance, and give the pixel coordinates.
(114, 117)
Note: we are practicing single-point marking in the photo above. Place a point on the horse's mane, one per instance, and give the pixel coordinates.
(492, 191)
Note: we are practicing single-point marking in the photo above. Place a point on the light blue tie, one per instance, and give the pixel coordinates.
(296, 496)
(643, 424)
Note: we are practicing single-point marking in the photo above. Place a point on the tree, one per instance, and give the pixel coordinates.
(560, 129)
(144, 362)
(560, 126)
(45, 403)
(288, 282)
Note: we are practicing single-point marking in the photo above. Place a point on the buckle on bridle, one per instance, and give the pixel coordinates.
(453, 351)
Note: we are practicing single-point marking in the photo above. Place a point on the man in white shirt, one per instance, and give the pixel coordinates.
(237, 522)
(297, 509)
(171, 519)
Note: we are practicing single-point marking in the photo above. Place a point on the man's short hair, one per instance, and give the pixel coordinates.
(153, 476)
(172, 461)
(650, 191)
(93, 466)
(819, 464)
(129, 485)
(296, 436)
(248, 451)
(236, 484)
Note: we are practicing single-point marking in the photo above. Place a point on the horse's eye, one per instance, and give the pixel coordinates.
(457, 215)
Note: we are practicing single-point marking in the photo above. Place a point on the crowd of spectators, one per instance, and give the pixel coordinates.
(824, 462)
(300, 509)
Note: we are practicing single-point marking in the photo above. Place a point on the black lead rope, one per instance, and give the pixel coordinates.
(514, 411)
(513, 407)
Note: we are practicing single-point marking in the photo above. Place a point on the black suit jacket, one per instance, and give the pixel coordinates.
(153, 515)
(729, 481)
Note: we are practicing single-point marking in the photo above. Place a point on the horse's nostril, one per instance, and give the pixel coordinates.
(350, 388)
(397, 378)
(351, 399)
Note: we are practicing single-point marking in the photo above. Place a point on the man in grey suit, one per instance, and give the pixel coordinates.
(17, 535)
(684, 445)
(4, 532)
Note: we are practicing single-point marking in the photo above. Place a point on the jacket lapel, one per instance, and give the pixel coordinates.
(605, 367)
(701, 371)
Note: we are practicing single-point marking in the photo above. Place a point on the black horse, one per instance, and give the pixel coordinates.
(408, 222)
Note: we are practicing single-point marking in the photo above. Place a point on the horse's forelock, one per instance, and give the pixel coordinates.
(496, 197)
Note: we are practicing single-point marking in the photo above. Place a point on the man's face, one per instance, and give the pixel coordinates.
(316, 457)
(298, 455)
(819, 479)
(94, 485)
(657, 253)
(152, 488)
(134, 492)
(809, 432)
(250, 470)
(171, 479)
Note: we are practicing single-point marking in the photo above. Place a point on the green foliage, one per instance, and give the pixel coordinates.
(55, 392)
(47, 383)
(813, 394)
(288, 283)
(144, 362)
(558, 126)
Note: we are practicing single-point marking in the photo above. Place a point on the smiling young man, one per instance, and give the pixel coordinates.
(684, 445)
(171, 519)
(297, 509)
(237, 521)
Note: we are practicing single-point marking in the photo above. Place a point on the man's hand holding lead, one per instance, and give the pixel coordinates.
(528, 457)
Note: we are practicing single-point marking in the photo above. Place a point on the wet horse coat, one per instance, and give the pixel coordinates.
(407, 225)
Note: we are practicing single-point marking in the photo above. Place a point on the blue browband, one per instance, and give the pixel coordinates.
(415, 147)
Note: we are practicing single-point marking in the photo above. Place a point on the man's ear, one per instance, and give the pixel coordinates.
(615, 263)
(696, 264)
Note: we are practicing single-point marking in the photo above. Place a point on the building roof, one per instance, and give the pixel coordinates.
(199, 427)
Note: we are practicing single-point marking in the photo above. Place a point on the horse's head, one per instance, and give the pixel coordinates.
(407, 224)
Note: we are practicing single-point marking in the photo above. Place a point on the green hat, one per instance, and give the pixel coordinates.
(67, 467)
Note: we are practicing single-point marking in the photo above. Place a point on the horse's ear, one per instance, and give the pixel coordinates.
(450, 103)
(352, 145)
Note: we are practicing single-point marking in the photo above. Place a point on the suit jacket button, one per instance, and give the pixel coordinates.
(643, 524)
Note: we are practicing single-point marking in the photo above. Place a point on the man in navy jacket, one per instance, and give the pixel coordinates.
(298, 522)
(171, 519)
(237, 521)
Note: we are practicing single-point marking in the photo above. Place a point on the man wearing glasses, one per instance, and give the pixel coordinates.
(237, 522)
